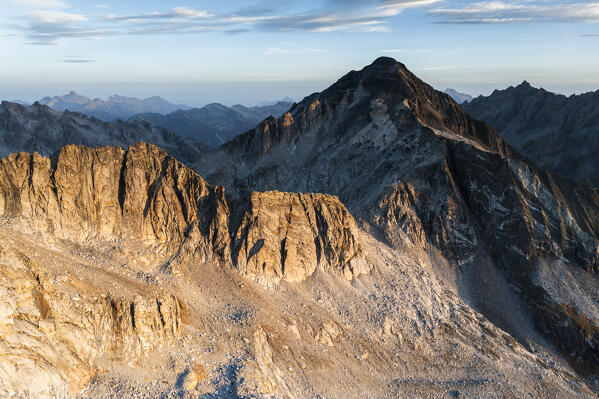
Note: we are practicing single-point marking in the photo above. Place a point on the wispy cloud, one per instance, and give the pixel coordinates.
(39, 3)
(278, 50)
(527, 11)
(404, 51)
(76, 59)
(50, 26)
(54, 17)
(175, 13)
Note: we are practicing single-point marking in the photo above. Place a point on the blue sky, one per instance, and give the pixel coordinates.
(196, 52)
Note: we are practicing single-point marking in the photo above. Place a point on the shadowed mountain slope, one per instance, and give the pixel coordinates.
(559, 133)
(409, 162)
(42, 129)
(215, 124)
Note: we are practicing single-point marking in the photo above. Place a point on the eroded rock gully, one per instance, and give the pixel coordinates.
(55, 331)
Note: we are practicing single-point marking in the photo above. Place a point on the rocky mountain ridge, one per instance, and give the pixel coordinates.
(556, 132)
(215, 124)
(146, 212)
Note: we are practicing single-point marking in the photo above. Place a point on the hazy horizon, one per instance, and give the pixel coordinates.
(247, 52)
(232, 93)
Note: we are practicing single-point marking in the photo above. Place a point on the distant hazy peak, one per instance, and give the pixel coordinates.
(460, 98)
(285, 99)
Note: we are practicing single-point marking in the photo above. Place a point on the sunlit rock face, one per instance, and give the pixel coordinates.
(286, 236)
(55, 330)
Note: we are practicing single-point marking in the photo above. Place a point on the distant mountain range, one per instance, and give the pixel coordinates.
(116, 107)
(458, 97)
(285, 99)
(215, 124)
(44, 130)
(559, 133)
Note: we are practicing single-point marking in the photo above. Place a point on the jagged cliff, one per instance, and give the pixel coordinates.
(146, 203)
(285, 236)
(140, 197)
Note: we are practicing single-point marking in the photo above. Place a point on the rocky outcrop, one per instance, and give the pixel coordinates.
(37, 128)
(146, 203)
(54, 331)
(556, 132)
(140, 198)
(286, 236)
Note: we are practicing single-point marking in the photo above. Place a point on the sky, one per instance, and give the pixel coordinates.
(197, 52)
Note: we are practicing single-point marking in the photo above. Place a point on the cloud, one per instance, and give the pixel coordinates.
(501, 12)
(175, 13)
(236, 31)
(50, 26)
(39, 3)
(277, 50)
(54, 17)
(78, 61)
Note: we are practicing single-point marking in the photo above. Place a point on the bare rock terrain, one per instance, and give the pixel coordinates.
(374, 242)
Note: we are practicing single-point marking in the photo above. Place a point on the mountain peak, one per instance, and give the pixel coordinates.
(386, 62)
(524, 85)
(460, 98)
